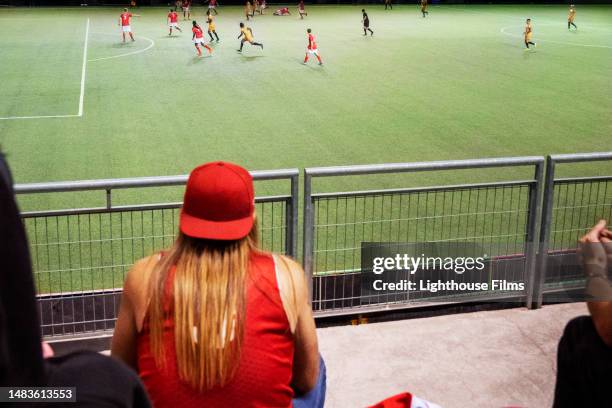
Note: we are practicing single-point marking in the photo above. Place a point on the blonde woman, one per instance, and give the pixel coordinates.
(215, 321)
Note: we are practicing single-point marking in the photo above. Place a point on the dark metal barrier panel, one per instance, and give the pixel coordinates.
(571, 206)
(81, 256)
(500, 216)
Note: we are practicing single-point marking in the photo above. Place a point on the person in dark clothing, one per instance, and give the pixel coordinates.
(584, 357)
(99, 380)
(584, 367)
(21, 361)
(366, 23)
(108, 383)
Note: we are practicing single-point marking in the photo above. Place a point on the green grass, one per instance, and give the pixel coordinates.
(447, 87)
(455, 85)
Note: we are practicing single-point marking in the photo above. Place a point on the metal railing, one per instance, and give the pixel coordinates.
(80, 255)
(503, 215)
(570, 207)
(529, 225)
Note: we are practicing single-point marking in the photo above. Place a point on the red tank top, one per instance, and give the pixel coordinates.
(265, 369)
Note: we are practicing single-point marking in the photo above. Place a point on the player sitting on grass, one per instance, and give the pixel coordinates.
(366, 23)
(198, 39)
(212, 6)
(124, 22)
(282, 12)
(571, 16)
(302, 9)
(247, 33)
(211, 26)
(528, 32)
(424, 8)
(312, 48)
(173, 21)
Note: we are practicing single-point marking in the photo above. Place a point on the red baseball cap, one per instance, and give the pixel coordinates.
(219, 202)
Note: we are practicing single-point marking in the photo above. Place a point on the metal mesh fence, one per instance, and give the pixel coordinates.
(494, 215)
(577, 205)
(81, 256)
(80, 260)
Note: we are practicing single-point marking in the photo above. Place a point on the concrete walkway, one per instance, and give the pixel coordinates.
(484, 359)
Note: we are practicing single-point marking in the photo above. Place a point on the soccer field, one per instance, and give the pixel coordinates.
(455, 85)
(76, 103)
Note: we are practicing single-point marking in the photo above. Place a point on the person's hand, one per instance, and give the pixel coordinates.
(47, 351)
(606, 242)
(596, 249)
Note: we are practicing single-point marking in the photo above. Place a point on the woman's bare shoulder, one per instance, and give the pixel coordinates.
(137, 280)
(292, 272)
(136, 287)
(141, 270)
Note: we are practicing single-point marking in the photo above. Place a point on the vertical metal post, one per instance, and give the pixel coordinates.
(291, 218)
(308, 231)
(545, 228)
(109, 202)
(531, 241)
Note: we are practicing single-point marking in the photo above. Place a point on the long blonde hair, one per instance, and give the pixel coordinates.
(209, 304)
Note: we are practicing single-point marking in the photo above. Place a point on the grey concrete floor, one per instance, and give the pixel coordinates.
(485, 359)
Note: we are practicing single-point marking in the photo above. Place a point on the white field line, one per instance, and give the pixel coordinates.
(39, 117)
(151, 44)
(84, 70)
(83, 77)
(544, 22)
(81, 96)
(503, 30)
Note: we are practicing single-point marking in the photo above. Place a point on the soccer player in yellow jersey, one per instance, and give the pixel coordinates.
(528, 33)
(211, 26)
(247, 35)
(424, 8)
(570, 17)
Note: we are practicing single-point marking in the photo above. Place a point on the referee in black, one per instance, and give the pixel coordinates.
(366, 23)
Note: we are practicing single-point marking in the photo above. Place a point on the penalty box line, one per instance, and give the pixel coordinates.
(81, 94)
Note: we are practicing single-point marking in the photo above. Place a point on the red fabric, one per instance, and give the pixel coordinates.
(264, 373)
(219, 202)
(403, 400)
(125, 19)
(173, 17)
(197, 31)
(312, 45)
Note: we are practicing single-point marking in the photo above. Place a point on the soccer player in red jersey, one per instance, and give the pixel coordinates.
(212, 6)
(198, 39)
(124, 22)
(186, 9)
(302, 9)
(173, 21)
(282, 12)
(312, 48)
